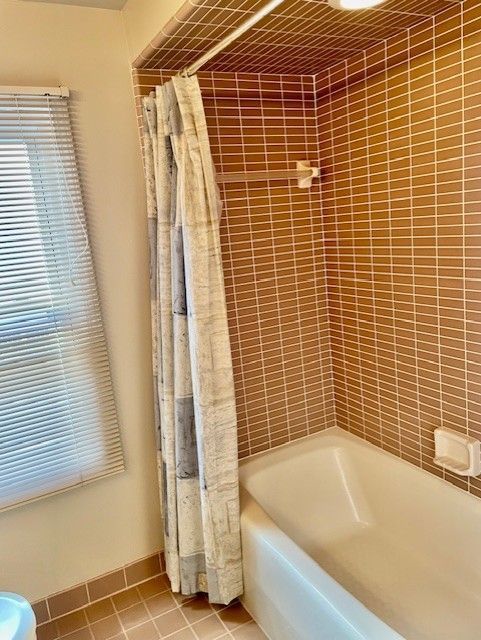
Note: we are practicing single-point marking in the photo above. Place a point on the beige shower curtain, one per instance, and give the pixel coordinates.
(195, 407)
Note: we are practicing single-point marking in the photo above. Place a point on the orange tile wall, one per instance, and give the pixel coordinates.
(273, 253)
(385, 283)
(400, 140)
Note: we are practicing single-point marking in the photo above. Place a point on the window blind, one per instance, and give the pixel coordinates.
(58, 422)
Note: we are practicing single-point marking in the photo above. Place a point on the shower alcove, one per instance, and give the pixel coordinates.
(344, 298)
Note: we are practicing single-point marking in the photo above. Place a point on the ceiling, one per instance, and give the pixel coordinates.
(299, 37)
(99, 4)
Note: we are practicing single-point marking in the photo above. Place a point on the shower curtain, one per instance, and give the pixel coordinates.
(193, 381)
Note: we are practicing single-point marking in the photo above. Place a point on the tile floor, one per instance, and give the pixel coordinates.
(150, 611)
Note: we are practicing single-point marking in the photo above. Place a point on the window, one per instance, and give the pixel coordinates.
(58, 424)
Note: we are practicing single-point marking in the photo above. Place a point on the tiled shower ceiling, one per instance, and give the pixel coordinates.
(299, 37)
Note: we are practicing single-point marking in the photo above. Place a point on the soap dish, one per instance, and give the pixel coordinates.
(457, 452)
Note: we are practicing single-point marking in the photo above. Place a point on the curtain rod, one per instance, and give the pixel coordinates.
(220, 46)
(63, 92)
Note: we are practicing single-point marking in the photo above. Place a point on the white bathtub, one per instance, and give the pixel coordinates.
(344, 541)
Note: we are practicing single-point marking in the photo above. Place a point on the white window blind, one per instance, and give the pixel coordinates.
(58, 423)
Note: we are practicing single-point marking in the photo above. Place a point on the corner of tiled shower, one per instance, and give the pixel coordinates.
(319, 325)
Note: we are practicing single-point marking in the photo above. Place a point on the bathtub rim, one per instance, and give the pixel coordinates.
(345, 435)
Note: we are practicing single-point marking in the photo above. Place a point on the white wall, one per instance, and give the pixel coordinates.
(56, 542)
(144, 19)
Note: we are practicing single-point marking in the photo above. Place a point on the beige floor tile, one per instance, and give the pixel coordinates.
(99, 610)
(195, 610)
(133, 616)
(209, 628)
(126, 598)
(80, 634)
(170, 622)
(161, 603)
(249, 631)
(185, 634)
(234, 615)
(150, 611)
(71, 622)
(106, 628)
(145, 631)
(180, 598)
(153, 586)
(47, 631)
